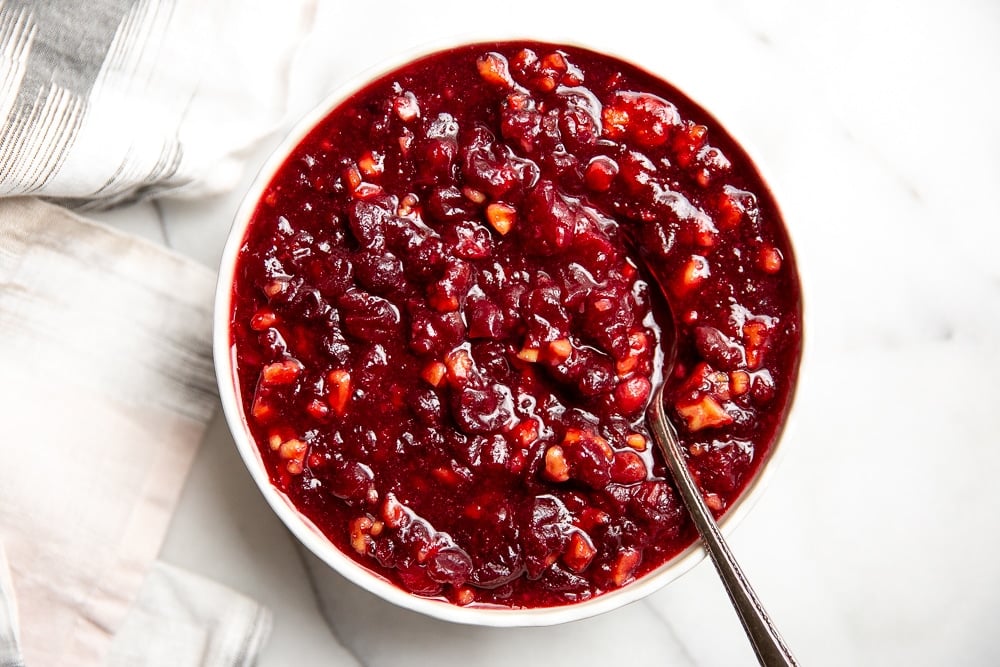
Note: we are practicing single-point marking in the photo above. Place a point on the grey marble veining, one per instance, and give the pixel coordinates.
(876, 125)
(380, 634)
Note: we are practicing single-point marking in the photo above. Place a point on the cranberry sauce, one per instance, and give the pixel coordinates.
(444, 344)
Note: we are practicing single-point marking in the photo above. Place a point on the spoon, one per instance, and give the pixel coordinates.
(770, 648)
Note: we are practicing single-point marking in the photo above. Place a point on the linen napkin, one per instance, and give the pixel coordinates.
(106, 372)
(111, 100)
(107, 386)
(180, 618)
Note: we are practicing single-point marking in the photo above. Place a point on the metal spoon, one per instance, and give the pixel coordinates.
(770, 648)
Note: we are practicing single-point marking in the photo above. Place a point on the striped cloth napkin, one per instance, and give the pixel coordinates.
(107, 374)
(107, 389)
(106, 101)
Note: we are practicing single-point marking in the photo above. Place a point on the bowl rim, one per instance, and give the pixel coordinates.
(302, 527)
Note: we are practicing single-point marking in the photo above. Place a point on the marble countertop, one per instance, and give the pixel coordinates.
(877, 127)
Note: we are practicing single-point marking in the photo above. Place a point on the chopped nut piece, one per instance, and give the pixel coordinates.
(340, 390)
(423, 552)
(719, 383)
(769, 259)
(275, 287)
(556, 468)
(528, 354)
(705, 379)
(352, 178)
(616, 121)
(638, 341)
(714, 502)
(638, 347)
(526, 432)
(292, 449)
(695, 271)
(317, 408)
(625, 565)
(554, 60)
(561, 349)
(282, 372)
(407, 205)
(580, 552)
(464, 596)
(474, 195)
(545, 83)
(739, 382)
(501, 216)
(263, 319)
(459, 365)
(636, 441)
(493, 68)
(625, 366)
(261, 410)
(442, 302)
(603, 305)
(434, 373)
(687, 140)
(706, 413)
(730, 212)
(360, 538)
(755, 334)
(393, 512)
(371, 164)
(406, 106)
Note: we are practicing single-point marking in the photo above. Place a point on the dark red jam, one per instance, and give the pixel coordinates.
(445, 334)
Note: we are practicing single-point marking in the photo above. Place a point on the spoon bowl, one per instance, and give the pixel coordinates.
(235, 313)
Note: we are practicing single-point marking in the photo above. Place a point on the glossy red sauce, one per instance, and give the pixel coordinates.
(444, 345)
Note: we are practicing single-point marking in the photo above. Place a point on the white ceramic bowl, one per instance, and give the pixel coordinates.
(305, 530)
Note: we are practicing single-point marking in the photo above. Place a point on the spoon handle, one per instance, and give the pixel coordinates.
(767, 643)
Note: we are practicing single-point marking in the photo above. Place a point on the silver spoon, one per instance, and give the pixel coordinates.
(770, 648)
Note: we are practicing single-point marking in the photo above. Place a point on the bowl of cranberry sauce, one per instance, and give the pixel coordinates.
(443, 307)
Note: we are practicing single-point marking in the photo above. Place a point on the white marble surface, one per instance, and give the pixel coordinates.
(877, 124)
